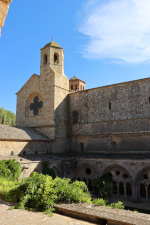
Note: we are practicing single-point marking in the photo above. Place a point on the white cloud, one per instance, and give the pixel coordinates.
(117, 29)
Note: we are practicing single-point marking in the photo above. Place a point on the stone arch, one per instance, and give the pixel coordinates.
(56, 169)
(121, 179)
(117, 167)
(82, 171)
(30, 101)
(141, 172)
(71, 173)
(86, 173)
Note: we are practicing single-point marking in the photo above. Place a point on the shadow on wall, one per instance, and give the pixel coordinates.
(62, 125)
(30, 149)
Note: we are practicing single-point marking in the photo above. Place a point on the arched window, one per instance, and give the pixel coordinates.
(142, 191)
(76, 89)
(56, 58)
(36, 152)
(113, 146)
(121, 188)
(114, 185)
(81, 147)
(90, 187)
(12, 153)
(128, 189)
(75, 116)
(24, 152)
(45, 59)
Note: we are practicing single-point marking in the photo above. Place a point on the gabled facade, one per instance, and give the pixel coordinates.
(42, 102)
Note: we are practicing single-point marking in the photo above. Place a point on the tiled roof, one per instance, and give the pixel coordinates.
(20, 133)
(53, 44)
(76, 78)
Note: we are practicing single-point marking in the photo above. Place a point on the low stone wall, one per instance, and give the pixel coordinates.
(103, 215)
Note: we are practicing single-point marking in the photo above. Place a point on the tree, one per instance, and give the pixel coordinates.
(104, 185)
(7, 117)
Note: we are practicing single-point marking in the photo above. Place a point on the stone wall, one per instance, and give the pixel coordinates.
(4, 6)
(24, 147)
(108, 114)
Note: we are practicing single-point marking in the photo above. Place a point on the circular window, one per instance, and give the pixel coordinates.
(117, 173)
(145, 177)
(125, 175)
(88, 171)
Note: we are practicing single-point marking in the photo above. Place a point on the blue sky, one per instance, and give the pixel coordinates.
(105, 41)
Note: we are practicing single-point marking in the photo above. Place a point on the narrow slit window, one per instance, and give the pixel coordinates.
(109, 105)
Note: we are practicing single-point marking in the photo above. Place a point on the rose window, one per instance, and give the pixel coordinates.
(36, 105)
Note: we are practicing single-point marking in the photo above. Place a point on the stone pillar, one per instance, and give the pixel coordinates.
(117, 188)
(138, 193)
(146, 193)
(125, 193)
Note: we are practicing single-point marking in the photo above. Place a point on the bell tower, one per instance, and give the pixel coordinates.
(52, 55)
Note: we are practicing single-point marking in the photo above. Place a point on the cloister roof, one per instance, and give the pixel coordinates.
(20, 133)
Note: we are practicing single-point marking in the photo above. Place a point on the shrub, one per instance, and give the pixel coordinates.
(47, 170)
(100, 202)
(10, 169)
(40, 192)
(8, 189)
(118, 205)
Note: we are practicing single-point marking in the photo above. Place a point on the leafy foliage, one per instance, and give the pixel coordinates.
(41, 192)
(47, 170)
(102, 202)
(7, 117)
(118, 205)
(104, 185)
(10, 169)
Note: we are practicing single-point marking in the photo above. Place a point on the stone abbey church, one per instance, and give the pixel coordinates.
(83, 133)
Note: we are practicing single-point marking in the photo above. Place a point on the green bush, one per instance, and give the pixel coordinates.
(118, 205)
(100, 202)
(8, 189)
(40, 192)
(10, 169)
(47, 170)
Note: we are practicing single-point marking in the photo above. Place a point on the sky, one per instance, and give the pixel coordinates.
(105, 41)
